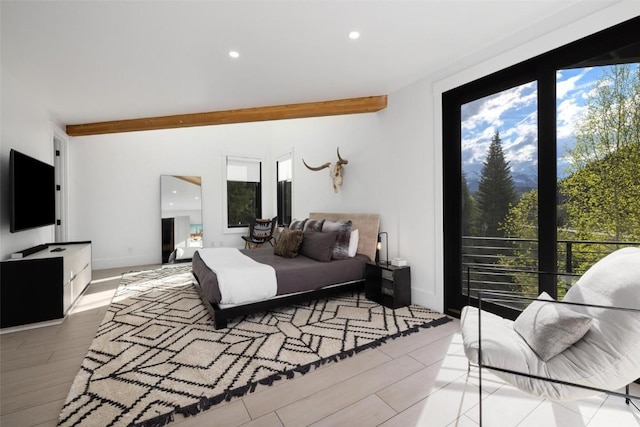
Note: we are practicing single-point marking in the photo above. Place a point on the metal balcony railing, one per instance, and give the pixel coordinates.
(510, 264)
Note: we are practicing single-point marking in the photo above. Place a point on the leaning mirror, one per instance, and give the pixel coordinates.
(180, 198)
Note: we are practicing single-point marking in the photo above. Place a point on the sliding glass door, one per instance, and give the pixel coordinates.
(598, 161)
(499, 163)
(540, 170)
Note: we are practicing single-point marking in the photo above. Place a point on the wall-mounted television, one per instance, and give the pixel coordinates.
(32, 192)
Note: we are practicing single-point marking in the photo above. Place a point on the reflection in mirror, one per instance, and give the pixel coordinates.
(180, 198)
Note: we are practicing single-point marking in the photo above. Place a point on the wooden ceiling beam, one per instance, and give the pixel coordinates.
(367, 104)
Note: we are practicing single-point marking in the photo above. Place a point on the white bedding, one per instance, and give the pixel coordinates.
(240, 279)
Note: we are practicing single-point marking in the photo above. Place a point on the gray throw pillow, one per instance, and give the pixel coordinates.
(550, 328)
(318, 246)
(297, 224)
(343, 230)
(288, 243)
(313, 225)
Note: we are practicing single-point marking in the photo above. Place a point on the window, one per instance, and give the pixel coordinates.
(555, 165)
(244, 191)
(284, 168)
(499, 151)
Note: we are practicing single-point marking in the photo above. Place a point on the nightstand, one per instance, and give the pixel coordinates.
(388, 285)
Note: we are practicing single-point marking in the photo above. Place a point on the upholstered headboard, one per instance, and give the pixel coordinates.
(367, 225)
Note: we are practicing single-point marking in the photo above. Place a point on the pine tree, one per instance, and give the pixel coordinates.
(496, 191)
(469, 213)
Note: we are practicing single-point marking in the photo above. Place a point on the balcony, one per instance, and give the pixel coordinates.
(510, 264)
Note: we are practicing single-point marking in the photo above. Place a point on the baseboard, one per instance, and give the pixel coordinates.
(20, 328)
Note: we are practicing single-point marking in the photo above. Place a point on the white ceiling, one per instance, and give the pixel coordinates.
(92, 61)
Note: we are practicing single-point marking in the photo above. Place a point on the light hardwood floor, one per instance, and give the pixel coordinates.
(418, 380)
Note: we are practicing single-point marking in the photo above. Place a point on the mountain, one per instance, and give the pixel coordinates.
(523, 182)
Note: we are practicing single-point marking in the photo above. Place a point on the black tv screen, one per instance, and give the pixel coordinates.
(33, 192)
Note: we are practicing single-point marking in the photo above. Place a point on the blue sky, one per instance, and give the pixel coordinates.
(513, 114)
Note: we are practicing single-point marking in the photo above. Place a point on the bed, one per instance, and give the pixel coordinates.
(297, 279)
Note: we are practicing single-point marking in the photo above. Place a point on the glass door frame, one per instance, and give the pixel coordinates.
(591, 50)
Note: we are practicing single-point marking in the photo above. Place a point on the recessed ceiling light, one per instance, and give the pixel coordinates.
(233, 54)
(353, 35)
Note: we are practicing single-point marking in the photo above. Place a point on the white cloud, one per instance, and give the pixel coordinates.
(564, 87)
(490, 111)
(568, 114)
(474, 150)
(520, 142)
(513, 113)
(482, 118)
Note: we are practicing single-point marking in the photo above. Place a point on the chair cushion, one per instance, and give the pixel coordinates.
(288, 244)
(613, 280)
(262, 229)
(607, 356)
(550, 328)
(500, 343)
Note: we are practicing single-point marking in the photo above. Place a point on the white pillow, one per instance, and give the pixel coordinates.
(186, 252)
(353, 243)
(179, 253)
(550, 328)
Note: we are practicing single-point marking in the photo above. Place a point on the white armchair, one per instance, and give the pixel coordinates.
(586, 344)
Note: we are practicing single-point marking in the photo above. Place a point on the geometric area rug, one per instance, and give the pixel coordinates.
(156, 353)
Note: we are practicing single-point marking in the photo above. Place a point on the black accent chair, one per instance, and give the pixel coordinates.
(261, 231)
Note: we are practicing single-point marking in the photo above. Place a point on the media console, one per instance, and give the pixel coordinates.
(44, 284)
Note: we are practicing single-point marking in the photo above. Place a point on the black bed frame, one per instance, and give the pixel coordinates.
(221, 316)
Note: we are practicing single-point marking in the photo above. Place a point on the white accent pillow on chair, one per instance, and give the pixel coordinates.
(549, 328)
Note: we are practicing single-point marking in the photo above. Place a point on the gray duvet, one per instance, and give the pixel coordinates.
(293, 274)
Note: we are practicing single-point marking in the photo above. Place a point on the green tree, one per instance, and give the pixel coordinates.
(600, 198)
(496, 191)
(469, 210)
(522, 224)
(602, 191)
(242, 202)
(522, 220)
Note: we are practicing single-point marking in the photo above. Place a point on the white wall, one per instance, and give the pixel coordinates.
(115, 179)
(414, 122)
(27, 127)
(316, 141)
(395, 167)
(410, 210)
(115, 186)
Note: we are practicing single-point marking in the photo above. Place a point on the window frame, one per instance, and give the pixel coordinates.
(282, 220)
(240, 228)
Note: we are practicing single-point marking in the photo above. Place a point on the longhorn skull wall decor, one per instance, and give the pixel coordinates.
(335, 170)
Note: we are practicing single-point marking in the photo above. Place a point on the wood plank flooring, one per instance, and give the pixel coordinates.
(416, 380)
